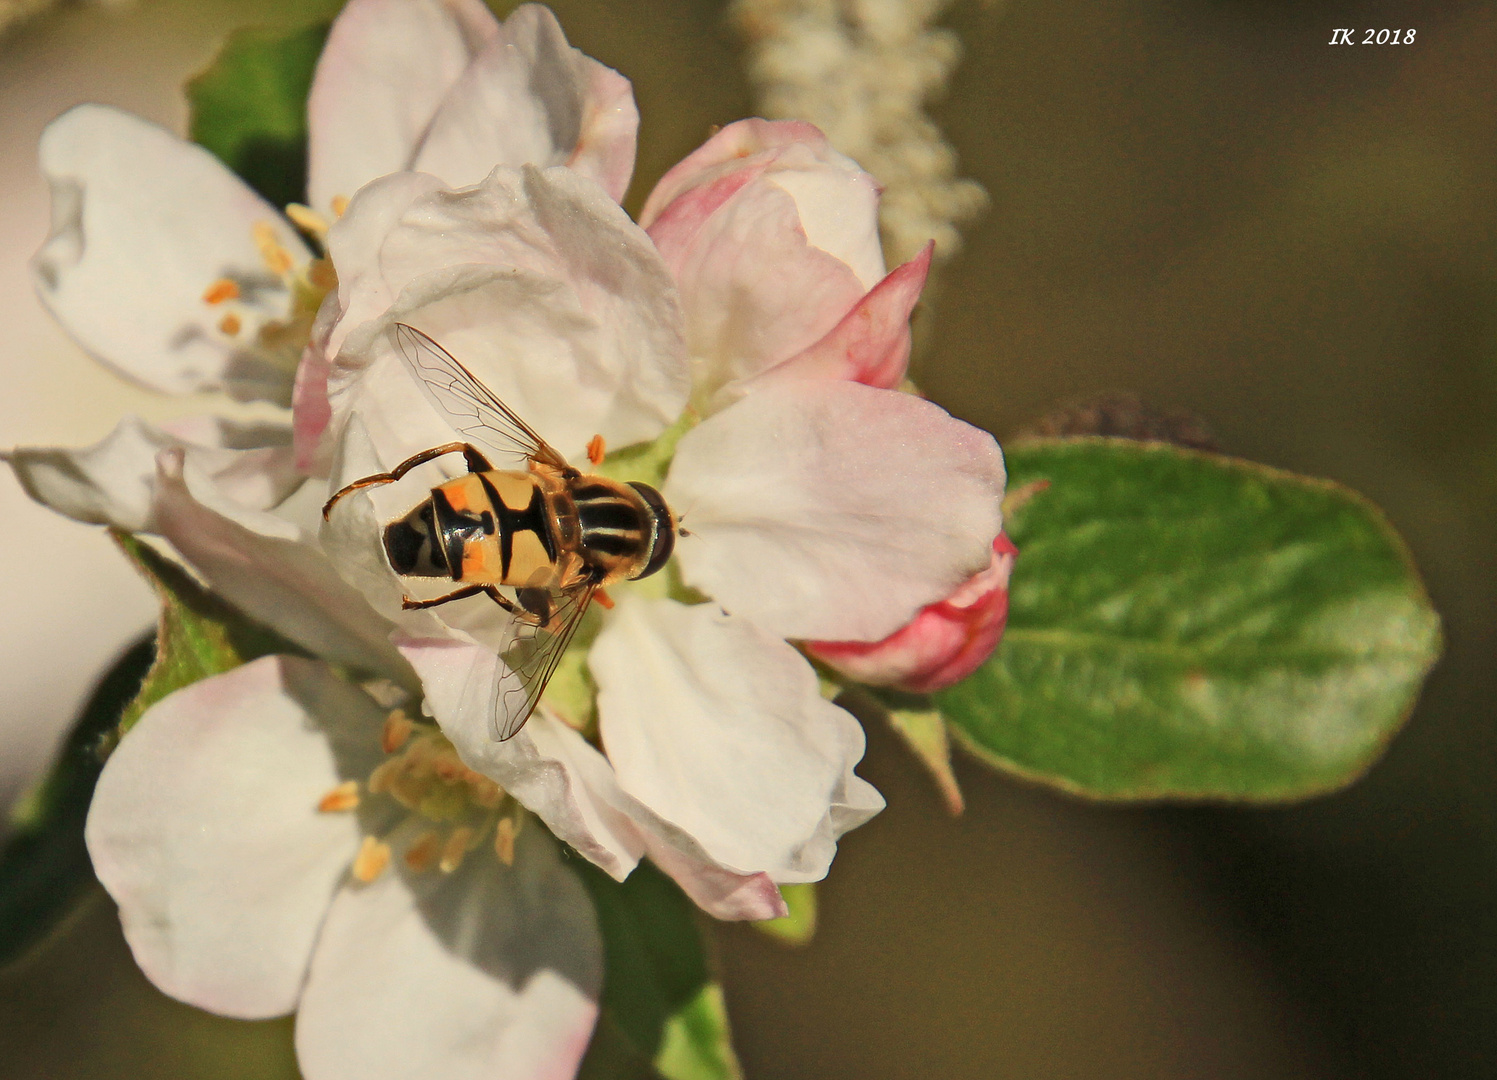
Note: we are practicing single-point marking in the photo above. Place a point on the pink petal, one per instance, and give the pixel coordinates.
(834, 511)
(871, 345)
(738, 140)
(943, 644)
(383, 74)
(753, 290)
(772, 237)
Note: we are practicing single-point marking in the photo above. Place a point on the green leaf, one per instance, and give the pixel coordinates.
(798, 927)
(249, 107)
(199, 634)
(44, 865)
(662, 1016)
(1183, 625)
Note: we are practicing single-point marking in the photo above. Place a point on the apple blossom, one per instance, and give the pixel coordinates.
(276, 842)
(719, 757)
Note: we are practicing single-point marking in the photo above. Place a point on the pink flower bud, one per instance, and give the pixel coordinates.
(941, 645)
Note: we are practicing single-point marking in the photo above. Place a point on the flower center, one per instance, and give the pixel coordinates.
(278, 340)
(450, 809)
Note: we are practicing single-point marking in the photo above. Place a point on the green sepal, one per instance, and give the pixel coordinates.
(199, 634)
(661, 1013)
(1186, 625)
(249, 108)
(799, 926)
(44, 866)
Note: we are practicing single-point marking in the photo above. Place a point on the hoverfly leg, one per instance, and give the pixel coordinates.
(469, 452)
(493, 594)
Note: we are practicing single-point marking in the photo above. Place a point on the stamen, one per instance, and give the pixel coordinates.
(221, 290)
(340, 205)
(486, 793)
(343, 797)
(420, 855)
(595, 449)
(370, 862)
(321, 274)
(276, 257)
(230, 324)
(604, 600)
(455, 849)
(307, 219)
(504, 840)
(397, 730)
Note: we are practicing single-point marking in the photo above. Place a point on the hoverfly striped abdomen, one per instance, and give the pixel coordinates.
(626, 530)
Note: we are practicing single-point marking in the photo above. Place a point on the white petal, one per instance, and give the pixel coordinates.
(832, 510)
(142, 224)
(550, 768)
(561, 778)
(265, 567)
(355, 243)
(721, 730)
(838, 209)
(383, 74)
(537, 282)
(487, 973)
(113, 482)
(531, 99)
(204, 828)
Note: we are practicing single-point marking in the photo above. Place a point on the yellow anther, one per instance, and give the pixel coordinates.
(486, 793)
(230, 324)
(420, 855)
(379, 779)
(455, 848)
(221, 290)
(340, 204)
(274, 255)
(397, 731)
(321, 274)
(370, 862)
(504, 840)
(343, 797)
(596, 448)
(307, 219)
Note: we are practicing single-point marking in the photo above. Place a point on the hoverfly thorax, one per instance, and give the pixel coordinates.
(550, 534)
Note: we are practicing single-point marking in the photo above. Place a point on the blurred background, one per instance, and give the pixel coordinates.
(1197, 200)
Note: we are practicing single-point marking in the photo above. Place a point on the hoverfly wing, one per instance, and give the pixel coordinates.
(535, 655)
(467, 403)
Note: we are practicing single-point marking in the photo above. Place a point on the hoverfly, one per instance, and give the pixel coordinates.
(551, 533)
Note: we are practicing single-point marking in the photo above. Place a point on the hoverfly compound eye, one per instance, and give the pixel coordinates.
(663, 530)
